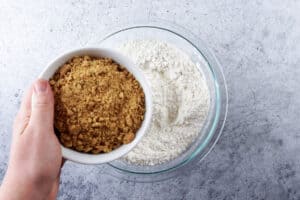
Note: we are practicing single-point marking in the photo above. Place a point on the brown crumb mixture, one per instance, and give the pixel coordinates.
(99, 105)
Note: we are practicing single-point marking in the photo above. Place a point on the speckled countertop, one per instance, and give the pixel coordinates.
(258, 45)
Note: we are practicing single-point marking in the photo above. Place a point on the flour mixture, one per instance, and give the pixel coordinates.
(180, 98)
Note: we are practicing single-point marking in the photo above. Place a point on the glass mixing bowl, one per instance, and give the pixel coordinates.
(208, 66)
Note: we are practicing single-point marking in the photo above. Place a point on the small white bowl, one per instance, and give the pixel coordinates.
(85, 158)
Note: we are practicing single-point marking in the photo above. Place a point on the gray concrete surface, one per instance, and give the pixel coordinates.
(258, 44)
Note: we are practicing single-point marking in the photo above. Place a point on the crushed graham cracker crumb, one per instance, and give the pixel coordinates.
(99, 105)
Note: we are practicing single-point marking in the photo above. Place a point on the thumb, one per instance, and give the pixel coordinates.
(42, 105)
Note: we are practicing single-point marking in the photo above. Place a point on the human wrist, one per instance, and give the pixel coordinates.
(18, 188)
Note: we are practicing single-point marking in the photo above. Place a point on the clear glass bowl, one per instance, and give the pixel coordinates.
(209, 67)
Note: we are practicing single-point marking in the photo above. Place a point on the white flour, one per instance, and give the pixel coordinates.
(180, 99)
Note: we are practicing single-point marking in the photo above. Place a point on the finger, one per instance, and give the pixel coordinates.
(42, 106)
(23, 116)
(25, 108)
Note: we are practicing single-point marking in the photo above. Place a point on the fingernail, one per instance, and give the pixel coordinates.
(40, 86)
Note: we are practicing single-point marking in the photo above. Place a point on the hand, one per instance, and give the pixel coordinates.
(35, 161)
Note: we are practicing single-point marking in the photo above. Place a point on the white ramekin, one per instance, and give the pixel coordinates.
(85, 158)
